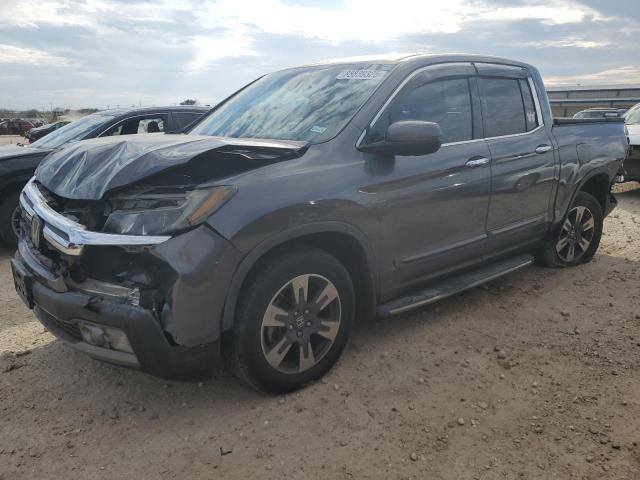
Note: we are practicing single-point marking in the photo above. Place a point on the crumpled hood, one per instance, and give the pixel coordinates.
(14, 151)
(87, 170)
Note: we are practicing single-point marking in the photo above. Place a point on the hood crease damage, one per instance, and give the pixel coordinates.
(89, 170)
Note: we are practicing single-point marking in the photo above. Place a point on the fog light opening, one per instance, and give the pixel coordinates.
(105, 337)
(93, 335)
(118, 340)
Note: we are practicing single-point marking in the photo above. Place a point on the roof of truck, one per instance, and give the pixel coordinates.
(394, 57)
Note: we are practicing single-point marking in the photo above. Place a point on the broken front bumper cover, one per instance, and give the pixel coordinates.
(68, 236)
(176, 332)
(62, 313)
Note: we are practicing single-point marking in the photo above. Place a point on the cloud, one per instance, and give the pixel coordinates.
(128, 51)
(363, 20)
(29, 56)
(552, 13)
(571, 42)
(212, 49)
(628, 74)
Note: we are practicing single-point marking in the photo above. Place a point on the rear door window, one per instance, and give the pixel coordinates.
(507, 108)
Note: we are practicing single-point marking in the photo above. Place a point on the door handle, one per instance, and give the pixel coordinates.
(477, 161)
(543, 148)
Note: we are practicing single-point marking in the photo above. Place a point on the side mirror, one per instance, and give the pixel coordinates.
(408, 137)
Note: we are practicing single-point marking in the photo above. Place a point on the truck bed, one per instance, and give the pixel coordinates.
(581, 121)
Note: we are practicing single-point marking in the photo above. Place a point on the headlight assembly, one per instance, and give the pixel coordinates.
(163, 213)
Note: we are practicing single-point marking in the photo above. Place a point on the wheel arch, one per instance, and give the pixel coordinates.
(347, 243)
(597, 184)
(13, 184)
(596, 181)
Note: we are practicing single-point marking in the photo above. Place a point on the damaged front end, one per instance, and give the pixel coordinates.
(131, 275)
(146, 301)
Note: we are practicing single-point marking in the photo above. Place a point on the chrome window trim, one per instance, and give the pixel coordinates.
(534, 94)
(33, 202)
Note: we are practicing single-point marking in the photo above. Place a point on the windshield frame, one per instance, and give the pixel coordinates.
(389, 74)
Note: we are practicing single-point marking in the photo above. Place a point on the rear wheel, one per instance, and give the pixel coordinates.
(579, 236)
(294, 318)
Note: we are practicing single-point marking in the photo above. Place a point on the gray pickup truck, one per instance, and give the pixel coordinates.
(310, 198)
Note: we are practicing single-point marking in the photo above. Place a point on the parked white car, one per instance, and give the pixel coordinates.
(632, 163)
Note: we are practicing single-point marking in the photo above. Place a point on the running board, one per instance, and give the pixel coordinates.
(454, 285)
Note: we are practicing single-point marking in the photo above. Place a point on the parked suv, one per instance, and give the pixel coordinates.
(16, 126)
(39, 132)
(601, 113)
(19, 162)
(312, 197)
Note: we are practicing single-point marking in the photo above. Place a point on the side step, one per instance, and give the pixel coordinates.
(454, 285)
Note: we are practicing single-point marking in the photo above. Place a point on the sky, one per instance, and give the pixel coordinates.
(105, 53)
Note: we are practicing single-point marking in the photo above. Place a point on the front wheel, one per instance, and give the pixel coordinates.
(579, 236)
(294, 318)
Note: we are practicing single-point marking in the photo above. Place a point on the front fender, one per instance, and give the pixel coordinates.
(282, 237)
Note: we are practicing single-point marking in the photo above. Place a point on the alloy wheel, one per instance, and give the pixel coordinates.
(576, 234)
(300, 323)
(15, 222)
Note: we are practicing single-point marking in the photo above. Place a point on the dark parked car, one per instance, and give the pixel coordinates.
(17, 163)
(312, 197)
(15, 126)
(39, 132)
(601, 113)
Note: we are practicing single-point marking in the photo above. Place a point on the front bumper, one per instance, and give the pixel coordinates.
(62, 313)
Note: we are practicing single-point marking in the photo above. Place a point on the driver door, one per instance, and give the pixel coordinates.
(433, 208)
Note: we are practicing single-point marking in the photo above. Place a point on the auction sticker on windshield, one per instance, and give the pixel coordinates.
(361, 74)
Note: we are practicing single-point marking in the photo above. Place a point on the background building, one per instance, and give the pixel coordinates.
(566, 101)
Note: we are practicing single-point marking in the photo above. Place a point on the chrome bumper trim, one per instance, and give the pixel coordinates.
(33, 202)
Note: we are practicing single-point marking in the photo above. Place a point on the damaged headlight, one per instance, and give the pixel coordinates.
(163, 213)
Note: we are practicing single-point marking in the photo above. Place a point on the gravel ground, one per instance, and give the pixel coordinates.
(535, 376)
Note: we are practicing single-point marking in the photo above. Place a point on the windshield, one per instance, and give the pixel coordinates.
(633, 116)
(309, 104)
(73, 132)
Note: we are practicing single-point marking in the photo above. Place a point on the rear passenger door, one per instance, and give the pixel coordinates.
(522, 158)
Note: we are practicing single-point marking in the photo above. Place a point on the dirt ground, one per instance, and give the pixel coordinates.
(535, 376)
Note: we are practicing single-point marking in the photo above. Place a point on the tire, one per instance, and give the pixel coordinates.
(8, 209)
(280, 343)
(585, 239)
